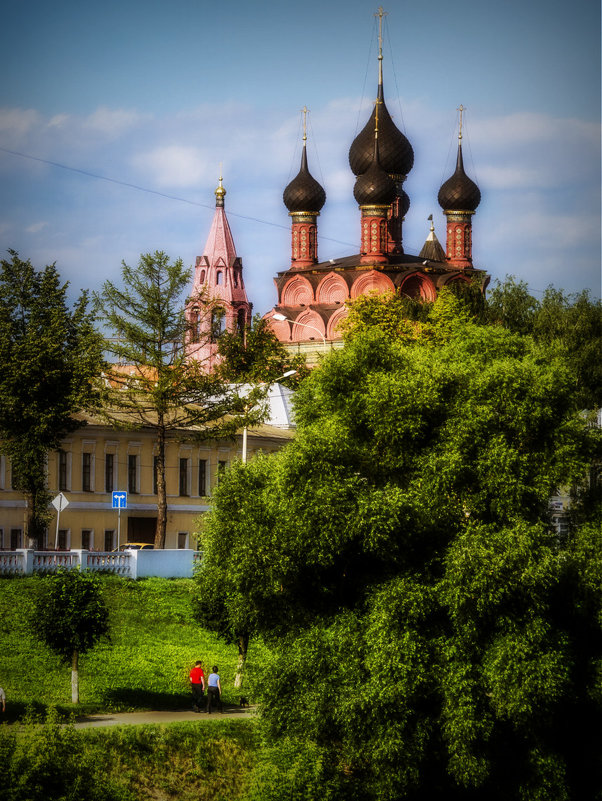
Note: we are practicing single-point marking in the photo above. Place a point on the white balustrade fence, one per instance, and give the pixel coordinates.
(132, 564)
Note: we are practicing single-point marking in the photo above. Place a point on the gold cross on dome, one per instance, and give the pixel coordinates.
(462, 109)
(305, 112)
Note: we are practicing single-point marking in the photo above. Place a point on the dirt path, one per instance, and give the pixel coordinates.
(138, 718)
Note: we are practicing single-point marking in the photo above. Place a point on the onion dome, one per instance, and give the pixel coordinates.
(220, 193)
(459, 193)
(375, 187)
(404, 203)
(396, 153)
(304, 193)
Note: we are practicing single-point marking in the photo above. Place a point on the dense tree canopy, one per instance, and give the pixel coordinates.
(255, 355)
(50, 355)
(428, 634)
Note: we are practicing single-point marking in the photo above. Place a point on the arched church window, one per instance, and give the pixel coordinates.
(202, 276)
(195, 325)
(241, 320)
(218, 322)
(219, 278)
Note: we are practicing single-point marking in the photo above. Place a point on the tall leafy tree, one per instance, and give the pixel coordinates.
(154, 382)
(255, 355)
(71, 617)
(50, 355)
(428, 635)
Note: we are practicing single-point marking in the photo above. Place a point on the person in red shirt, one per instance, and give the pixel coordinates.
(197, 685)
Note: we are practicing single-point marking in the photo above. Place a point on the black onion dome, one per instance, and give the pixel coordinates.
(404, 205)
(396, 153)
(375, 186)
(304, 193)
(459, 193)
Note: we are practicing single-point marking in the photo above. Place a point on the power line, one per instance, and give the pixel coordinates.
(90, 174)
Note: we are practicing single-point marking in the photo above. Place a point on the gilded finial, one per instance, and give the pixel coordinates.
(220, 192)
(380, 14)
(304, 111)
(430, 217)
(376, 120)
(461, 110)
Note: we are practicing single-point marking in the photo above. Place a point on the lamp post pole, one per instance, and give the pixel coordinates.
(245, 429)
(281, 318)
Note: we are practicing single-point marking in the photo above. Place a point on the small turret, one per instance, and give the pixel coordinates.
(304, 198)
(432, 250)
(459, 197)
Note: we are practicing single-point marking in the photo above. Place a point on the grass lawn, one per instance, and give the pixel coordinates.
(153, 644)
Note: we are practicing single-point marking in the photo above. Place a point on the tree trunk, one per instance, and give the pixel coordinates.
(243, 645)
(161, 489)
(75, 678)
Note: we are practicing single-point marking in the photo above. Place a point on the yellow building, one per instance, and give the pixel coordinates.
(96, 460)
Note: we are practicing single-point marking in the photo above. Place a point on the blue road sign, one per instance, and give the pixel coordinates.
(119, 500)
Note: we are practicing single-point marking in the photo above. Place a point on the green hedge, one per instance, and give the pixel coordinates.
(187, 761)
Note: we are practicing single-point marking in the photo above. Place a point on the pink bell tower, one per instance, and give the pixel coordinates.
(218, 300)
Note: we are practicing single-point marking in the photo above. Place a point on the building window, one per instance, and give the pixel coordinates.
(86, 539)
(15, 539)
(221, 467)
(1, 539)
(218, 322)
(109, 468)
(62, 477)
(63, 539)
(86, 472)
(202, 477)
(242, 320)
(132, 474)
(182, 539)
(184, 477)
(219, 278)
(155, 467)
(109, 540)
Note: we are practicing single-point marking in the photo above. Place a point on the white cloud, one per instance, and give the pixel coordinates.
(18, 121)
(59, 121)
(172, 166)
(35, 228)
(111, 122)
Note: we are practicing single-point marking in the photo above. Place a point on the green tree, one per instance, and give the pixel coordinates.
(50, 355)
(255, 355)
(164, 389)
(71, 617)
(428, 635)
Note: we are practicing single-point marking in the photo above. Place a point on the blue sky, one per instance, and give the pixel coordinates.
(158, 94)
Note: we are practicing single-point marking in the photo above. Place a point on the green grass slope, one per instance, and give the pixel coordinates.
(153, 644)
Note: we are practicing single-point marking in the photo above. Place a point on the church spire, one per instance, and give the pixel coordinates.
(219, 299)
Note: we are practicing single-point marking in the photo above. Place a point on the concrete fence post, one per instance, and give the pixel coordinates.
(81, 555)
(26, 556)
(133, 562)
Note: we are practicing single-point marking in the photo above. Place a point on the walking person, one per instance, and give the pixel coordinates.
(214, 690)
(197, 685)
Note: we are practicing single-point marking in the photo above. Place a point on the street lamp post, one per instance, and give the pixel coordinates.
(245, 429)
(281, 318)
